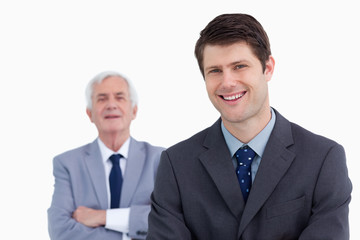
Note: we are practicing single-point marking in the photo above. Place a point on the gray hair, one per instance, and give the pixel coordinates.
(101, 77)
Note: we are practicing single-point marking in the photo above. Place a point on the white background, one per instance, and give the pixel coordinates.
(50, 49)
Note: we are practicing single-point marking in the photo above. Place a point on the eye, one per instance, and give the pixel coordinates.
(240, 66)
(101, 97)
(120, 97)
(215, 70)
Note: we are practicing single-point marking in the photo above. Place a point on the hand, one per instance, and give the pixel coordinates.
(90, 217)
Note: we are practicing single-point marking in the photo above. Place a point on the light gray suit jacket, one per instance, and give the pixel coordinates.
(301, 190)
(80, 181)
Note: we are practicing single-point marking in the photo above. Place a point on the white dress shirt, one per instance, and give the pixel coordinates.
(116, 219)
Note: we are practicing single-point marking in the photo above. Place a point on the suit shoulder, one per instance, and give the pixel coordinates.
(310, 138)
(191, 143)
(148, 146)
(69, 154)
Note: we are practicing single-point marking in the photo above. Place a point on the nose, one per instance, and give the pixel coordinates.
(111, 104)
(228, 79)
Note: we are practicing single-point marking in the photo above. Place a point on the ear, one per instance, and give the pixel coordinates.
(269, 68)
(134, 112)
(88, 112)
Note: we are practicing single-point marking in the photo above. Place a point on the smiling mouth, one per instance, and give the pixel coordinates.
(233, 97)
(111, 117)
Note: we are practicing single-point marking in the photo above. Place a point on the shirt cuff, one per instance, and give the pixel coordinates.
(118, 219)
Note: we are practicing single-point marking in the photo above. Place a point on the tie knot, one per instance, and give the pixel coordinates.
(244, 156)
(115, 158)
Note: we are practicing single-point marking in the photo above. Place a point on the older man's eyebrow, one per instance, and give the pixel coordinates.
(101, 95)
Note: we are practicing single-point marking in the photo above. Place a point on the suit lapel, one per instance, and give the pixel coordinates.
(217, 162)
(275, 162)
(97, 173)
(134, 167)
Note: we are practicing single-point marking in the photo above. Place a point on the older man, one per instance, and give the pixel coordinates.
(102, 189)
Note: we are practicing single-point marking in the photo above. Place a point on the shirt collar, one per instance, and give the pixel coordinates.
(106, 152)
(258, 143)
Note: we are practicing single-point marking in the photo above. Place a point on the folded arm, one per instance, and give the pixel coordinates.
(65, 221)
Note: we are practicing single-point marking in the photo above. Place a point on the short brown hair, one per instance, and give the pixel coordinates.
(227, 29)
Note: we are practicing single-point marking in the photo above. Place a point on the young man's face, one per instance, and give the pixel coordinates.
(236, 83)
(112, 110)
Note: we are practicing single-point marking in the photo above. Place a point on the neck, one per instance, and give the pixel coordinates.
(114, 141)
(247, 129)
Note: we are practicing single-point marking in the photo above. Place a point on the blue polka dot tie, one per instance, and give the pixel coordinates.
(115, 180)
(244, 157)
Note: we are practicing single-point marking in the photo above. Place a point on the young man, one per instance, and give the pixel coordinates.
(253, 174)
(102, 190)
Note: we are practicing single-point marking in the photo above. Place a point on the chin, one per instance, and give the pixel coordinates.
(231, 117)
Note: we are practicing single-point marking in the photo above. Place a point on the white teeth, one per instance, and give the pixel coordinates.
(233, 97)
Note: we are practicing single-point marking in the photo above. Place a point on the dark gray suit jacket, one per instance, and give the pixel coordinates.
(80, 181)
(301, 190)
